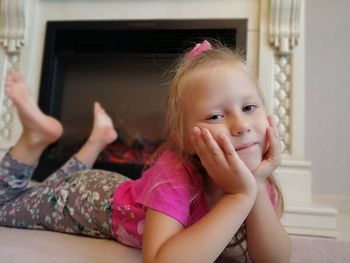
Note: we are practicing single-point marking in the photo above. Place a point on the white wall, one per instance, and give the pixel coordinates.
(327, 98)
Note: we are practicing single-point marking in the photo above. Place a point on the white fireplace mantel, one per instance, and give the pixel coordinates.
(275, 48)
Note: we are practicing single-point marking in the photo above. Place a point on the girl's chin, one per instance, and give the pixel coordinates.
(251, 163)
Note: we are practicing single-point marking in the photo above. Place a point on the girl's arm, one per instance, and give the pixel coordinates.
(165, 239)
(266, 238)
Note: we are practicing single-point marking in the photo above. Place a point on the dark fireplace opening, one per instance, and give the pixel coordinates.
(121, 64)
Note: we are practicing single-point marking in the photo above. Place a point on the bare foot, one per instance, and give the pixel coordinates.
(38, 129)
(103, 132)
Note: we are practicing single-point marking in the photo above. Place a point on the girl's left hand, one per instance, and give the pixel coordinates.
(222, 163)
(272, 156)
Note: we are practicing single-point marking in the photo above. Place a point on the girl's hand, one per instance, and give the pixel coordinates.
(223, 164)
(272, 157)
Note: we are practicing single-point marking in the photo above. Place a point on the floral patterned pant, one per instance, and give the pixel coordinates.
(75, 199)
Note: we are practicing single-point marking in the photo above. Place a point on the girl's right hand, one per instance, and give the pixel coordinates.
(223, 164)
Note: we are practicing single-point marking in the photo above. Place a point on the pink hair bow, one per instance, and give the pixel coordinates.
(199, 49)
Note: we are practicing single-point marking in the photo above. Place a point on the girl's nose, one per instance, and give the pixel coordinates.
(239, 126)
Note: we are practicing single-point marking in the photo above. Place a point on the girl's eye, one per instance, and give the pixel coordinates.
(215, 117)
(249, 108)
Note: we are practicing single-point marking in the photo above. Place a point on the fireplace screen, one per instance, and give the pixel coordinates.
(123, 65)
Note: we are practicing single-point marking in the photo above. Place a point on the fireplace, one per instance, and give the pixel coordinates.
(275, 37)
(123, 65)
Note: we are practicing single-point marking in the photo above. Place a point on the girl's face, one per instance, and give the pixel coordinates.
(227, 102)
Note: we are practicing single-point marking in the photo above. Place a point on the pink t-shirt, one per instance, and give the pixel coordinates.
(170, 186)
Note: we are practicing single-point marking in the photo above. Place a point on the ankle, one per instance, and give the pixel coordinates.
(95, 144)
(33, 141)
(27, 152)
(89, 152)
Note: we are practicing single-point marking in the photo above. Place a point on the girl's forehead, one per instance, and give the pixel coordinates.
(222, 77)
(220, 90)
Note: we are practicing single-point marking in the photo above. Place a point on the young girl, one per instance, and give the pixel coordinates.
(211, 181)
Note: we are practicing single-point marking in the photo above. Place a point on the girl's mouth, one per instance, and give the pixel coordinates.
(244, 146)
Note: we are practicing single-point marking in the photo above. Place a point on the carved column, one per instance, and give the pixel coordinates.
(302, 216)
(12, 28)
(284, 35)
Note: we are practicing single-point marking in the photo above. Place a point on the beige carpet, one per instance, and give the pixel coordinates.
(320, 250)
(33, 246)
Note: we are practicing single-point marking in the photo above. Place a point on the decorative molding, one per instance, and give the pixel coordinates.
(282, 99)
(311, 221)
(12, 28)
(302, 215)
(284, 35)
(284, 24)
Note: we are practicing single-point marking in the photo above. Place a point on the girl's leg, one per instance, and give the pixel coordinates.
(102, 134)
(39, 130)
(79, 204)
(70, 200)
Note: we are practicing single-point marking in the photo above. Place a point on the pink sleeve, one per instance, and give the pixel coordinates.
(271, 190)
(166, 192)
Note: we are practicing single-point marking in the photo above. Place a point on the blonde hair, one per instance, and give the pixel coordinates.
(187, 73)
